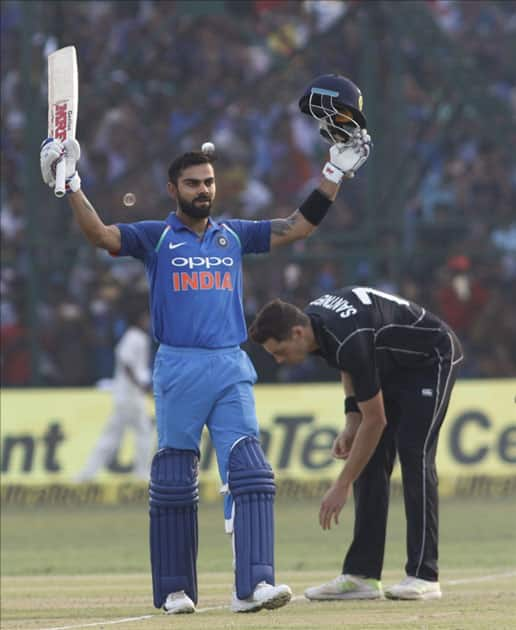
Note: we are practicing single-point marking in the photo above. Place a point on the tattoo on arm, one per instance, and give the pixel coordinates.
(283, 226)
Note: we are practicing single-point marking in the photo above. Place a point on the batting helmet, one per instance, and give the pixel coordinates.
(336, 102)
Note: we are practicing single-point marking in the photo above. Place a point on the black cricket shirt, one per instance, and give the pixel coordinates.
(376, 337)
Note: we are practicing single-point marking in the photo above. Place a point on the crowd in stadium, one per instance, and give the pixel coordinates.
(232, 74)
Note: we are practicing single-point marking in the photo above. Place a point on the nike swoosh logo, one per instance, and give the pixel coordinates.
(174, 245)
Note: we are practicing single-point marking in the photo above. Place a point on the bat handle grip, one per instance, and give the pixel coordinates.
(60, 187)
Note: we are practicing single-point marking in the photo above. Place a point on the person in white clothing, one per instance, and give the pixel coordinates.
(131, 382)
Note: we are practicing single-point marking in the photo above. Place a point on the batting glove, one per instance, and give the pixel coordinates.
(53, 151)
(347, 157)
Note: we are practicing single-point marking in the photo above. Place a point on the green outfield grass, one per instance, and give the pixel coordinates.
(74, 567)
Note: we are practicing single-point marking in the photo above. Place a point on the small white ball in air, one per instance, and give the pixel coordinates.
(129, 199)
(208, 147)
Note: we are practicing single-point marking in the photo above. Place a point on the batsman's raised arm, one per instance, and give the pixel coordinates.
(301, 223)
(336, 103)
(98, 234)
(53, 151)
(345, 159)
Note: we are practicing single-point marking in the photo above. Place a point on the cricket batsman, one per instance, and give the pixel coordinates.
(201, 375)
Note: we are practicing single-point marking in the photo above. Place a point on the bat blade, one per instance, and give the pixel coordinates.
(63, 102)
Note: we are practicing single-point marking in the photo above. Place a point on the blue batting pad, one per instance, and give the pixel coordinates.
(173, 499)
(251, 483)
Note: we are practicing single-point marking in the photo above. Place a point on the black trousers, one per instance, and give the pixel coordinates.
(415, 408)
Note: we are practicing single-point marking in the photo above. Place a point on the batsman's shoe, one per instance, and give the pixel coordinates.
(414, 588)
(346, 587)
(178, 603)
(264, 596)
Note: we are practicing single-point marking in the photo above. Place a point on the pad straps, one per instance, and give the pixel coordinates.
(251, 483)
(173, 499)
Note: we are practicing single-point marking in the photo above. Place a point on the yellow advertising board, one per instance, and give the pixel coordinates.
(48, 434)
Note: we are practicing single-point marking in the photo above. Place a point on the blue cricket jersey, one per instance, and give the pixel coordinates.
(196, 287)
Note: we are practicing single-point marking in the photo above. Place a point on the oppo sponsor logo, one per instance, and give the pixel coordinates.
(206, 262)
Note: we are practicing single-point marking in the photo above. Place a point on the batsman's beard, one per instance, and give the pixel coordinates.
(194, 209)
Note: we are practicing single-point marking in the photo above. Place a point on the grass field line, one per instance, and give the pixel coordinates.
(481, 578)
(296, 598)
(104, 623)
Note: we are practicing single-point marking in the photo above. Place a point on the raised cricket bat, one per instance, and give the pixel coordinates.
(63, 102)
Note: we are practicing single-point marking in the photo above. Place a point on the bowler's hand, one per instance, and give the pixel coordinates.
(343, 443)
(332, 504)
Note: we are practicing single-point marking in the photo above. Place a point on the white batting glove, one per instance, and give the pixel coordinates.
(53, 151)
(347, 157)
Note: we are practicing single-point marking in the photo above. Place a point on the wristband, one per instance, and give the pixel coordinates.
(332, 173)
(350, 405)
(315, 207)
(73, 183)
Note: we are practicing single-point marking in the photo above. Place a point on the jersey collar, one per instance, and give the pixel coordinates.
(178, 225)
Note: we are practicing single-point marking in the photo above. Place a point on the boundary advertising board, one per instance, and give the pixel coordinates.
(48, 434)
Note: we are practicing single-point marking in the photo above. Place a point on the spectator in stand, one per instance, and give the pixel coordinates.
(461, 297)
(464, 197)
(14, 340)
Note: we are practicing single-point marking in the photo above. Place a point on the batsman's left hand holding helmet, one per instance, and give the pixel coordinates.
(347, 157)
(52, 151)
(337, 103)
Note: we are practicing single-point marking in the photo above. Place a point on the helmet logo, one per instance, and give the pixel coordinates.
(360, 102)
(316, 90)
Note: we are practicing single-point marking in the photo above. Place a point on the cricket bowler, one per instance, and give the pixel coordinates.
(398, 365)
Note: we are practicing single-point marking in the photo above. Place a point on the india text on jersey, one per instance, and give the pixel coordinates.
(202, 280)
